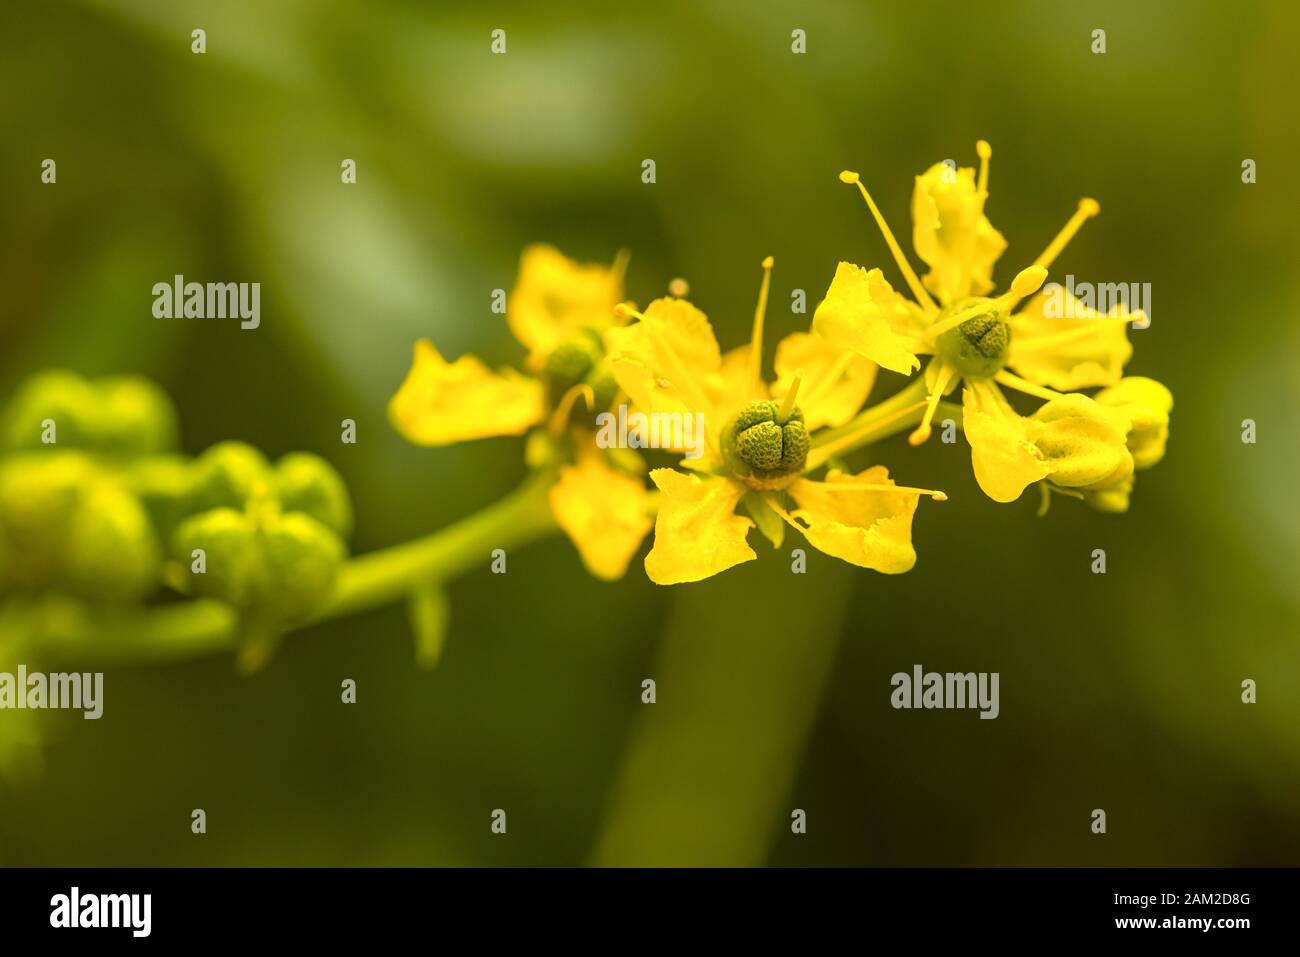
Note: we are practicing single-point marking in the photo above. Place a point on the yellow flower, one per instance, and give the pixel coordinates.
(558, 310)
(555, 297)
(759, 446)
(977, 340)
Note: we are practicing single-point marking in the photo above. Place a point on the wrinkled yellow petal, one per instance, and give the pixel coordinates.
(555, 296)
(1066, 354)
(603, 511)
(865, 527)
(697, 530)
(862, 313)
(668, 361)
(443, 402)
(1147, 404)
(1114, 499)
(1071, 440)
(952, 234)
(1083, 442)
(1002, 452)
(835, 382)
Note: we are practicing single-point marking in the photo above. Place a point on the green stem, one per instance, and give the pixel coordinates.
(205, 626)
(912, 393)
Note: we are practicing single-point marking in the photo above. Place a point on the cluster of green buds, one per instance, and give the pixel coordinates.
(97, 503)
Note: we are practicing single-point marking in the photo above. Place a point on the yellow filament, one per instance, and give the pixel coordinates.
(565, 406)
(941, 381)
(756, 340)
(1020, 385)
(913, 283)
(1088, 208)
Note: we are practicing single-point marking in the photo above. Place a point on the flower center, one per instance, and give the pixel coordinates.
(977, 348)
(765, 445)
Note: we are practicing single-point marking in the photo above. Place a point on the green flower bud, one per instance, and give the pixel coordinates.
(307, 483)
(112, 553)
(275, 567)
(64, 398)
(39, 497)
(227, 475)
(978, 347)
(121, 417)
(303, 558)
(135, 417)
(66, 525)
(764, 450)
(231, 561)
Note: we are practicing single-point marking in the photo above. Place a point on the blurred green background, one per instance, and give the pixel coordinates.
(1119, 692)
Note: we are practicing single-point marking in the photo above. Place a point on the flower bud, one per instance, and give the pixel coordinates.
(120, 417)
(64, 398)
(1084, 442)
(307, 483)
(273, 566)
(66, 526)
(227, 475)
(135, 417)
(112, 553)
(1147, 403)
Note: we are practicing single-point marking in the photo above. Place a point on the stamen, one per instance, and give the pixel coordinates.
(985, 153)
(756, 339)
(619, 268)
(1088, 208)
(935, 494)
(564, 407)
(787, 404)
(828, 450)
(822, 387)
(941, 381)
(1026, 283)
(679, 288)
(1020, 385)
(918, 290)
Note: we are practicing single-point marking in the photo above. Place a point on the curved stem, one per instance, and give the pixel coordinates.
(204, 626)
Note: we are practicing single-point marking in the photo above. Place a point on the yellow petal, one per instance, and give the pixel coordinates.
(736, 387)
(863, 314)
(835, 382)
(555, 296)
(442, 402)
(697, 530)
(952, 234)
(1114, 500)
(1083, 442)
(1066, 354)
(668, 361)
(1147, 403)
(603, 511)
(1002, 452)
(865, 527)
